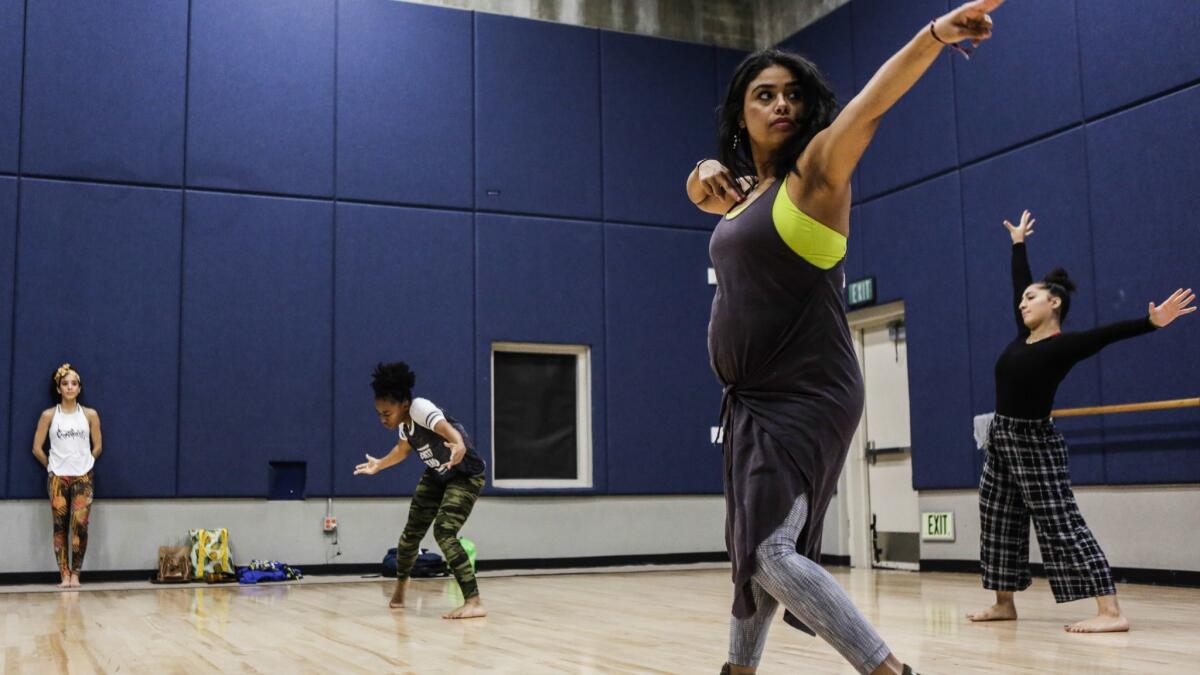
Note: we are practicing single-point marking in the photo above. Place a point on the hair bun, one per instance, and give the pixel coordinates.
(1059, 277)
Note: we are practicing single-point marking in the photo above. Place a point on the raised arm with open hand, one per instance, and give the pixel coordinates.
(1020, 233)
(1172, 308)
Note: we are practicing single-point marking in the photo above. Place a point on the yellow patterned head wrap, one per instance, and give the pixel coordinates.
(62, 372)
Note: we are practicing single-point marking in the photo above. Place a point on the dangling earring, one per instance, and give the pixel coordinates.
(735, 139)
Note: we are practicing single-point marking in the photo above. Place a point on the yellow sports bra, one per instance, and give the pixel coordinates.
(808, 238)
(811, 240)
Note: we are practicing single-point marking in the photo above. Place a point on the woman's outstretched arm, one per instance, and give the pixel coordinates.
(374, 465)
(1085, 343)
(1021, 276)
(834, 153)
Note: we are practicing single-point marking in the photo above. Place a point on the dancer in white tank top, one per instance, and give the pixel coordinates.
(75, 443)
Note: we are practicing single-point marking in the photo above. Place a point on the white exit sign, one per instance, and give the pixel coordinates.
(937, 526)
(860, 293)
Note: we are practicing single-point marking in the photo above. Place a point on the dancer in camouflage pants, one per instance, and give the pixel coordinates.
(446, 504)
(453, 479)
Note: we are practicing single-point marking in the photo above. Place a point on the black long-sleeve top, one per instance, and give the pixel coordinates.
(1028, 375)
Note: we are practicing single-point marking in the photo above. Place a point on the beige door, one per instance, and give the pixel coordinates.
(884, 511)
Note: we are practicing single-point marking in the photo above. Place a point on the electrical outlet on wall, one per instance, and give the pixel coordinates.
(330, 524)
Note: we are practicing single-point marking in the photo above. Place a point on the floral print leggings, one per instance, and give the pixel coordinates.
(71, 504)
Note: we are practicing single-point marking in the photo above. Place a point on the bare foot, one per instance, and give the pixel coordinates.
(66, 582)
(397, 600)
(75, 580)
(470, 609)
(1103, 623)
(997, 612)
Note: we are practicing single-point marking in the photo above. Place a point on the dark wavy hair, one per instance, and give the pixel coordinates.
(820, 107)
(1058, 283)
(393, 381)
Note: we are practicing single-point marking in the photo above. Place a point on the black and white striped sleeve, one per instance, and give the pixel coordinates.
(425, 413)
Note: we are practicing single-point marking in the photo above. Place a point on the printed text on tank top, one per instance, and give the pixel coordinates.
(70, 443)
(425, 452)
(430, 446)
(78, 432)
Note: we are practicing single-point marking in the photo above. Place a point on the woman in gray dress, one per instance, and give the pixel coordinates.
(778, 338)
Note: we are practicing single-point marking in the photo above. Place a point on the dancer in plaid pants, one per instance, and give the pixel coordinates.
(1025, 474)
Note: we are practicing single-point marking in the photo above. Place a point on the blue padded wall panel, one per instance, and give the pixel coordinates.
(913, 245)
(260, 96)
(104, 90)
(854, 267)
(539, 280)
(1132, 50)
(1144, 174)
(8, 247)
(537, 119)
(916, 138)
(1023, 83)
(394, 265)
(98, 287)
(12, 27)
(404, 103)
(829, 44)
(256, 347)
(727, 63)
(650, 145)
(1050, 179)
(662, 397)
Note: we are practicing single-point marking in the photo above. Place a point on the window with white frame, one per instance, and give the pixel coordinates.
(541, 416)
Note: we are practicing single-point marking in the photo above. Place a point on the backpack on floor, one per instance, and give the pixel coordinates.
(174, 565)
(428, 564)
(389, 563)
(210, 554)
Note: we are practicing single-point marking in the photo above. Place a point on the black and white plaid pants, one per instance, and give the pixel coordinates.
(1026, 475)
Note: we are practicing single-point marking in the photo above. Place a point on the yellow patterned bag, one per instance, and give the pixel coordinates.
(210, 553)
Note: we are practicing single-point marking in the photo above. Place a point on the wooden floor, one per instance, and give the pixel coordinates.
(640, 622)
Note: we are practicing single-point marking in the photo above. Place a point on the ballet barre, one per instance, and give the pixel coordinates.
(1128, 407)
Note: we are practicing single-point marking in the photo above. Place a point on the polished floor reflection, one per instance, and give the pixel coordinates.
(640, 622)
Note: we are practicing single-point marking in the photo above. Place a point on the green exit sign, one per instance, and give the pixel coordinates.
(860, 293)
(937, 526)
